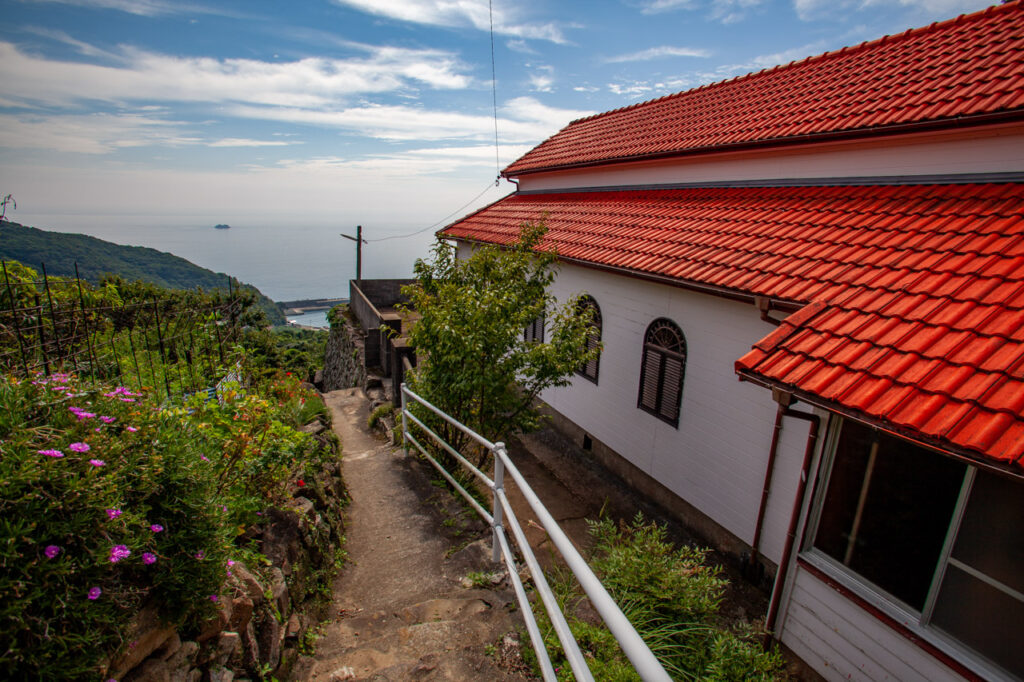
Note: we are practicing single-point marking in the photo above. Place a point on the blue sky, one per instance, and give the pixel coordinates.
(345, 111)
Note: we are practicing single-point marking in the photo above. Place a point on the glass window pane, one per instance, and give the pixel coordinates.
(887, 510)
(982, 617)
(991, 536)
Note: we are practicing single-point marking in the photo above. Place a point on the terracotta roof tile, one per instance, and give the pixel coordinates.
(922, 334)
(972, 66)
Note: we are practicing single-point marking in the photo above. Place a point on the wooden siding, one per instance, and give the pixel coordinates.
(844, 642)
(716, 458)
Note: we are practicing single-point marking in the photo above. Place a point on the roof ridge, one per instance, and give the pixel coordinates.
(831, 54)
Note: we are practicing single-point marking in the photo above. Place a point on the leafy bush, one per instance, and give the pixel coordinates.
(112, 502)
(671, 596)
(379, 413)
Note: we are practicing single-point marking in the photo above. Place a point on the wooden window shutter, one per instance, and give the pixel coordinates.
(662, 371)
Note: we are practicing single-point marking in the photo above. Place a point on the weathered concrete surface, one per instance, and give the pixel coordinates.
(400, 611)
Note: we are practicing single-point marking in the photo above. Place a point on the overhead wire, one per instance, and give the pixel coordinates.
(497, 158)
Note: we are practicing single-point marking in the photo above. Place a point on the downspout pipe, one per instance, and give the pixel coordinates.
(794, 519)
(755, 545)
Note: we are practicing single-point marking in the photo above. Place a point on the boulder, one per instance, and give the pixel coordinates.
(145, 635)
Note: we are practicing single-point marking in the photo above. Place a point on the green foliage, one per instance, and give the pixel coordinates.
(475, 364)
(201, 472)
(299, 351)
(378, 413)
(97, 258)
(671, 596)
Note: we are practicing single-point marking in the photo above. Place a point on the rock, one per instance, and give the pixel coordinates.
(313, 428)
(241, 613)
(294, 627)
(218, 623)
(228, 644)
(153, 670)
(194, 675)
(282, 539)
(250, 583)
(219, 674)
(170, 647)
(305, 508)
(181, 661)
(145, 635)
(250, 648)
(269, 640)
(279, 591)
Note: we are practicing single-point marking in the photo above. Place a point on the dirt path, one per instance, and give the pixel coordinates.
(400, 610)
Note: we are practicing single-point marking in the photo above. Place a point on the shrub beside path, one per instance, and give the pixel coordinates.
(400, 609)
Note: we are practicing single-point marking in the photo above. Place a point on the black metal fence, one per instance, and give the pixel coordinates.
(172, 343)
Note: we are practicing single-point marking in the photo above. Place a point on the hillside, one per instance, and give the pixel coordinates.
(96, 257)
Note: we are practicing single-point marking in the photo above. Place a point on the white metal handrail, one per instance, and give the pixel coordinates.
(639, 654)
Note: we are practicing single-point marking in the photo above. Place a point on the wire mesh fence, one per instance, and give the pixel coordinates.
(169, 342)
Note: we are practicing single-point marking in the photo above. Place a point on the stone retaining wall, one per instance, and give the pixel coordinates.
(344, 359)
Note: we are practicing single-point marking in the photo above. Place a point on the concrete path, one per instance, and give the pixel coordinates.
(400, 609)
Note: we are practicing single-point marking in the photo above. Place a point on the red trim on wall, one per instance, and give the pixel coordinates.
(936, 653)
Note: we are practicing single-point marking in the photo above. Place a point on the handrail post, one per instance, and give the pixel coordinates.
(405, 423)
(499, 485)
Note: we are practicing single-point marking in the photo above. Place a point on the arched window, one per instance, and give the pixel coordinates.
(589, 370)
(661, 371)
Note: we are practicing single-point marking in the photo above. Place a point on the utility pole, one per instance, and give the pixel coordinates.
(358, 239)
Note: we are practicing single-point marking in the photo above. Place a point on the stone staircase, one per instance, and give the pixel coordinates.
(420, 598)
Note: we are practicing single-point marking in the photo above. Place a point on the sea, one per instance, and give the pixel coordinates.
(287, 262)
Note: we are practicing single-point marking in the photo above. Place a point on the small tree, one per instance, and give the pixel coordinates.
(475, 363)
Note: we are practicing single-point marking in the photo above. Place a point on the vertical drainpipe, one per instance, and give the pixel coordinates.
(794, 519)
(755, 546)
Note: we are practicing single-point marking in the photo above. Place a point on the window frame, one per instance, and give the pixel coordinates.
(597, 323)
(534, 330)
(663, 354)
(917, 623)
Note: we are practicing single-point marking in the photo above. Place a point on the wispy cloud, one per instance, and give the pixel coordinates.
(90, 134)
(543, 79)
(658, 53)
(658, 6)
(458, 14)
(150, 76)
(724, 11)
(413, 162)
(816, 10)
(246, 142)
(147, 8)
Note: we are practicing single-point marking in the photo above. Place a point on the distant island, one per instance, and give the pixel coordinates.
(95, 257)
(222, 226)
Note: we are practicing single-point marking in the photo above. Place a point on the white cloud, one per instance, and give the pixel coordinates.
(246, 142)
(731, 11)
(814, 10)
(634, 89)
(543, 79)
(413, 162)
(457, 14)
(311, 82)
(524, 120)
(89, 134)
(585, 88)
(658, 6)
(658, 53)
(148, 8)
(520, 46)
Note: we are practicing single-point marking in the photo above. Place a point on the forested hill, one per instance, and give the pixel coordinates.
(96, 257)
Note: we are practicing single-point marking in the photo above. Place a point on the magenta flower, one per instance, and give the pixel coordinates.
(127, 400)
(84, 415)
(118, 552)
(156, 528)
(97, 462)
(98, 430)
(213, 597)
(204, 458)
(200, 554)
(51, 551)
(113, 513)
(131, 428)
(107, 420)
(94, 593)
(51, 453)
(79, 447)
(148, 558)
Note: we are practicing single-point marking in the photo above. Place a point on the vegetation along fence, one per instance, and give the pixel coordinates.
(502, 516)
(170, 342)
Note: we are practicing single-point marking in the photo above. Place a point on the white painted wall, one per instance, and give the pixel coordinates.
(844, 642)
(989, 150)
(716, 459)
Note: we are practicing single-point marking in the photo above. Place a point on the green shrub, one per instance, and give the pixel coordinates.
(378, 413)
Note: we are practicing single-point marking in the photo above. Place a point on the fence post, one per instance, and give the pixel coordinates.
(405, 423)
(499, 485)
(53, 314)
(14, 316)
(85, 326)
(160, 341)
(42, 337)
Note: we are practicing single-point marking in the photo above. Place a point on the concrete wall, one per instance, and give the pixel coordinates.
(715, 460)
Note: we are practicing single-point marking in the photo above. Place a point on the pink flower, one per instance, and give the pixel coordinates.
(51, 551)
(107, 420)
(84, 415)
(200, 554)
(204, 458)
(94, 593)
(131, 428)
(113, 513)
(51, 453)
(213, 597)
(127, 400)
(97, 462)
(148, 558)
(98, 430)
(118, 552)
(230, 563)
(156, 528)
(79, 447)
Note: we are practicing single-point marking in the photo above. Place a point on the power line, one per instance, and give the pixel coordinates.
(494, 96)
(431, 227)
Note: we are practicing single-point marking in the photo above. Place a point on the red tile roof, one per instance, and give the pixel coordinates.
(950, 73)
(917, 291)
